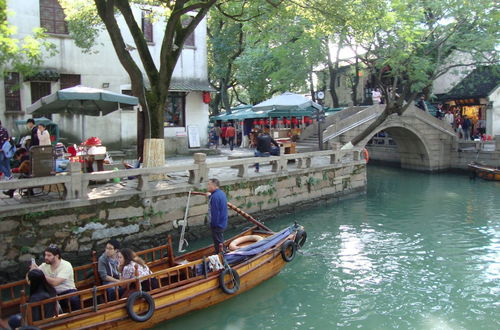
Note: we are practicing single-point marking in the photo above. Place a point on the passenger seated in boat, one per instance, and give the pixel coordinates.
(59, 274)
(107, 267)
(40, 289)
(127, 261)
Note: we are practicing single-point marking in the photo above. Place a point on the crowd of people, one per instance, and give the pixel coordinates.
(55, 277)
(467, 128)
(13, 154)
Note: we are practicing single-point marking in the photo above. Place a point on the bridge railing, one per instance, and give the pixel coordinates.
(350, 121)
(478, 145)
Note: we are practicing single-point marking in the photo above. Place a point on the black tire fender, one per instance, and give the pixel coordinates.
(236, 281)
(289, 244)
(300, 238)
(130, 306)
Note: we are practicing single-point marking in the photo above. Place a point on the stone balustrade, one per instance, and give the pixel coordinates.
(76, 183)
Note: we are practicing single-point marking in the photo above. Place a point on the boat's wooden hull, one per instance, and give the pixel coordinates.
(486, 173)
(172, 303)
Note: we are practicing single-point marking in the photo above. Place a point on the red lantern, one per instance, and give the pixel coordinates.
(261, 122)
(255, 122)
(206, 97)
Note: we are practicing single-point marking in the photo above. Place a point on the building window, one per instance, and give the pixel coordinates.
(175, 110)
(147, 25)
(52, 17)
(70, 80)
(190, 38)
(12, 92)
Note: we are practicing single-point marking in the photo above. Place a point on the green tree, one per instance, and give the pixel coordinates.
(87, 17)
(266, 49)
(407, 44)
(21, 55)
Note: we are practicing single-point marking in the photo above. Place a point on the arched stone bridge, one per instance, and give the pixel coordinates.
(424, 142)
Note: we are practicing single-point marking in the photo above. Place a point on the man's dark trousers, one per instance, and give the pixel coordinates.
(218, 238)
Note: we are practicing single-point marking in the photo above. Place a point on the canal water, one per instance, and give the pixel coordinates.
(418, 251)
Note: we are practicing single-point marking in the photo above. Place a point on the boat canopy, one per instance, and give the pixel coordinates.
(253, 249)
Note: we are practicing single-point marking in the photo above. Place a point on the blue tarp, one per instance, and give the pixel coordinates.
(253, 249)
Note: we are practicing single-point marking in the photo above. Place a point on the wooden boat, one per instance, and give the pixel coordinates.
(485, 172)
(185, 283)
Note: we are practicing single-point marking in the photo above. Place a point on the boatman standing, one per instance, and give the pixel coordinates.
(217, 212)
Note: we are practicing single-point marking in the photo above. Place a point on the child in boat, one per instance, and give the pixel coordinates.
(127, 260)
(40, 290)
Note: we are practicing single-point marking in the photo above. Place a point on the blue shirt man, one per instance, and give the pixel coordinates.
(217, 213)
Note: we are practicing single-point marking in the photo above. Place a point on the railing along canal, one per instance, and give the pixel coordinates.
(76, 183)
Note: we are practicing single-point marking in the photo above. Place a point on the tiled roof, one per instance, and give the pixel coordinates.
(479, 83)
(190, 85)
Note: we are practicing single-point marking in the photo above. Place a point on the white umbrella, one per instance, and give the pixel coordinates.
(287, 101)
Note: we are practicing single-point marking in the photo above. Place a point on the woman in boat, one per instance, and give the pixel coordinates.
(40, 290)
(127, 260)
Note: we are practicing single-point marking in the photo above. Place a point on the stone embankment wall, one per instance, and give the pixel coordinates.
(144, 223)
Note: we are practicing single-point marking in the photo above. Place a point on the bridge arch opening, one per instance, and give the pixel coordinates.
(401, 146)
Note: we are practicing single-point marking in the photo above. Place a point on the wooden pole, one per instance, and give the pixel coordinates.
(239, 211)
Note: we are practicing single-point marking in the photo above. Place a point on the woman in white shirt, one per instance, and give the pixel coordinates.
(43, 135)
(127, 260)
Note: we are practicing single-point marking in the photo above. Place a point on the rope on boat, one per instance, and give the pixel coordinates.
(182, 240)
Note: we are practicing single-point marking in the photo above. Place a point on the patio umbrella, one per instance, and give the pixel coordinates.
(81, 100)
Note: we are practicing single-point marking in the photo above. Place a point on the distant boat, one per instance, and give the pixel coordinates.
(485, 172)
(182, 283)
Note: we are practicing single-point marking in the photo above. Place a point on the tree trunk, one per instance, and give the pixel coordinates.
(333, 92)
(311, 85)
(215, 104)
(154, 156)
(355, 83)
(370, 129)
(224, 95)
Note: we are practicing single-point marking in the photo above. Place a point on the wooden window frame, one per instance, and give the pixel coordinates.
(69, 80)
(12, 88)
(170, 98)
(190, 40)
(147, 26)
(52, 17)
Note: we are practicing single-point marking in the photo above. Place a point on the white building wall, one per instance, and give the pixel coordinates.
(118, 128)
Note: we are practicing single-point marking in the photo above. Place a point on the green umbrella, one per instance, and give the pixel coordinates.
(81, 100)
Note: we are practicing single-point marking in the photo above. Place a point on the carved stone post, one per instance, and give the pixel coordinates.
(200, 175)
(76, 188)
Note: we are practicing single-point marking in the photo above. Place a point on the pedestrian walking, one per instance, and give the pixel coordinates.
(230, 135)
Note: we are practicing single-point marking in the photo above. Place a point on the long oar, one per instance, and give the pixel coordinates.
(182, 240)
(240, 212)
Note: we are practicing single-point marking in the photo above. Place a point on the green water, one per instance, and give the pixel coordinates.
(417, 252)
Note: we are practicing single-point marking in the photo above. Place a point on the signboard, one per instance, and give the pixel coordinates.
(193, 136)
